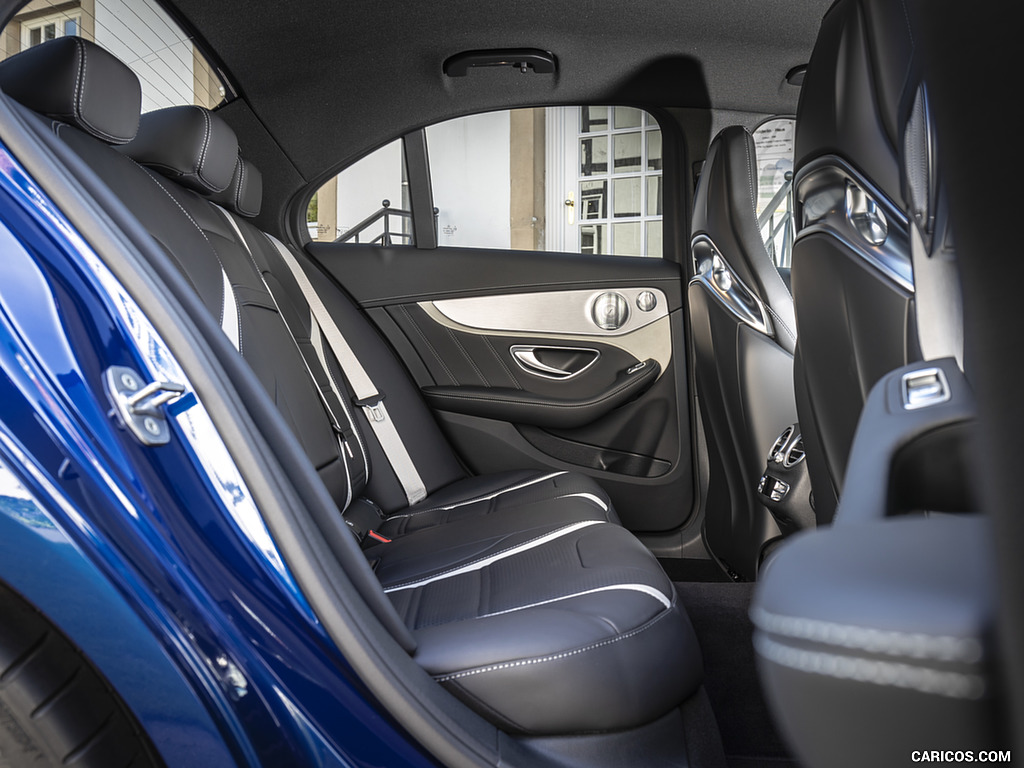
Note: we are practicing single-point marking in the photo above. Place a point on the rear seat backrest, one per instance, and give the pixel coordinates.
(179, 143)
(189, 145)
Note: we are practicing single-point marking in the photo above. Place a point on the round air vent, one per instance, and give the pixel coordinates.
(794, 453)
(775, 454)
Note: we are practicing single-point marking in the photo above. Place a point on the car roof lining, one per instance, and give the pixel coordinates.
(378, 66)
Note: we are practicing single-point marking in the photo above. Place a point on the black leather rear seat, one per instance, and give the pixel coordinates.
(525, 597)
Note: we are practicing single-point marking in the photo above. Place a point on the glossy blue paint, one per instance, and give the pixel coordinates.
(41, 562)
(150, 533)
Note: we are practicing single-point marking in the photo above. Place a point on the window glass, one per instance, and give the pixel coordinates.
(773, 141)
(565, 179)
(170, 67)
(368, 202)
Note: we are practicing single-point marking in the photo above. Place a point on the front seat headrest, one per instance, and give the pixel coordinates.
(77, 82)
(187, 144)
(244, 194)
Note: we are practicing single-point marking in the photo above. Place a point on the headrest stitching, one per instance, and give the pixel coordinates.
(206, 144)
(79, 78)
(750, 170)
(241, 182)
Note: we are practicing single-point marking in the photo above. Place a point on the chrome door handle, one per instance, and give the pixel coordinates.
(526, 358)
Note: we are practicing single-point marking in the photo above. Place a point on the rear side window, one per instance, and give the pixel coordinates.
(773, 141)
(368, 202)
(566, 179)
(170, 66)
(572, 179)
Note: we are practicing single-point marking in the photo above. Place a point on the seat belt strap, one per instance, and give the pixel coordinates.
(366, 394)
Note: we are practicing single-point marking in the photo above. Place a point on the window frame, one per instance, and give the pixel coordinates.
(59, 19)
(675, 225)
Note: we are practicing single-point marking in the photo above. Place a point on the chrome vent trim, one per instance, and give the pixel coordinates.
(835, 199)
(795, 453)
(779, 443)
(722, 282)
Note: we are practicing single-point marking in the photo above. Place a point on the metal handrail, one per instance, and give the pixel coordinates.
(785, 223)
(772, 206)
(384, 238)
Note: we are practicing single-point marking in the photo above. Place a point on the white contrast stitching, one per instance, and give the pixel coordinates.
(588, 497)
(469, 359)
(954, 685)
(425, 340)
(501, 362)
(485, 398)
(206, 144)
(76, 108)
(751, 169)
(915, 645)
(241, 182)
(556, 657)
(906, 17)
(642, 588)
(779, 320)
(80, 79)
(156, 180)
(318, 347)
(475, 565)
(477, 499)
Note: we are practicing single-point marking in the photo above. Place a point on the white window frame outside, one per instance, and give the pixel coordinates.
(59, 21)
(564, 223)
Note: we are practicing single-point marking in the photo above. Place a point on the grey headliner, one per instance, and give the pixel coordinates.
(330, 81)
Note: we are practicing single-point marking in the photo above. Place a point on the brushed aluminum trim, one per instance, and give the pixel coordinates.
(722, 282)
(823, 190)
(551, 312)
(652, 341)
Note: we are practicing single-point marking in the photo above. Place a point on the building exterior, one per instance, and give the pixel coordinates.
(139, 32)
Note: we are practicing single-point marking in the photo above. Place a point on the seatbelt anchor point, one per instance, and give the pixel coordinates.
(373, 407)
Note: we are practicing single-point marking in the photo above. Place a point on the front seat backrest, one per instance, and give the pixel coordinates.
(852, 269)
(741, 318)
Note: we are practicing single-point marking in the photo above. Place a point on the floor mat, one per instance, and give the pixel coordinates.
(719, 616)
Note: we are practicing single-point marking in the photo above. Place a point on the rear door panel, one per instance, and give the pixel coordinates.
(457, 317)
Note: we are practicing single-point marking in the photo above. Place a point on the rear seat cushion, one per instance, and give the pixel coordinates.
(577, 631)
(491, 495)
(460, 532)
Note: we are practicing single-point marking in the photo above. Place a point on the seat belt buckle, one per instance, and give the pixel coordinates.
(378, 537)
(373, 407)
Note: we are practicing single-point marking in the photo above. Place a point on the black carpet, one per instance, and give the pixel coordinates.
(719, 616)
(692, 569)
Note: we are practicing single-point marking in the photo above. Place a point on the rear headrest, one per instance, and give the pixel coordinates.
(244, 194)
(187, 144)
(77, 82)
